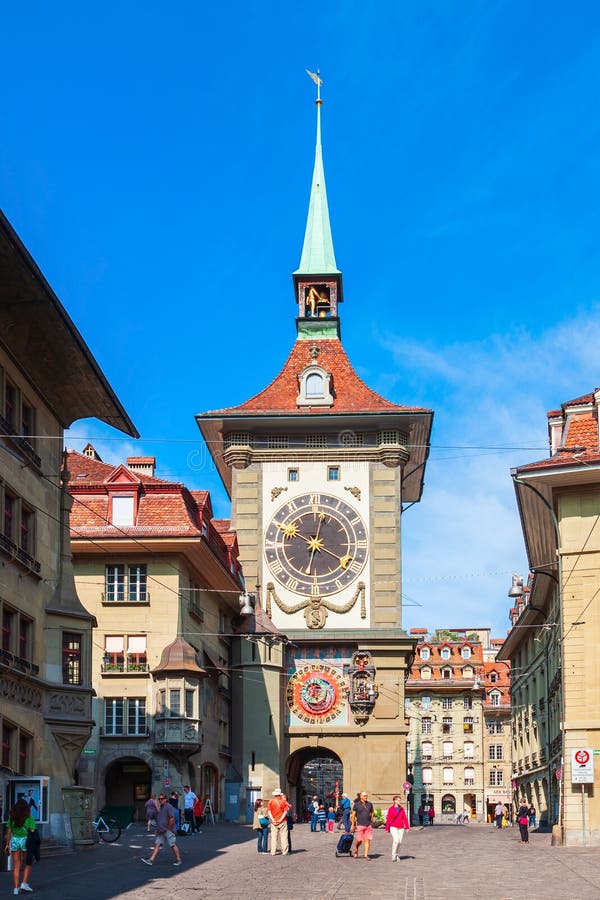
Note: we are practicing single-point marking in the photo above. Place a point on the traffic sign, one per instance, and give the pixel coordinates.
(582, 766)
(406, 786)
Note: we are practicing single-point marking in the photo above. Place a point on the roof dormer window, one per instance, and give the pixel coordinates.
(445, 652)
(122, 511)
(315, 387)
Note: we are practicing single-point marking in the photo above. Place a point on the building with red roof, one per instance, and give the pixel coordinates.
(162, 579)
(555, 624)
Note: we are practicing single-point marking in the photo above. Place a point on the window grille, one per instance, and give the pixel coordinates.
(316, 441)
(278, 441)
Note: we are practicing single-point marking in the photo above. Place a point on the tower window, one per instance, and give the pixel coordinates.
(333, 473)
(292, 474)
(314, 386)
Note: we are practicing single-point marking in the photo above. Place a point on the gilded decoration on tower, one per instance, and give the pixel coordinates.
(364, 691)
(316, 607)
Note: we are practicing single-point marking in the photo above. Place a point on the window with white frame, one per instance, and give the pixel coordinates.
(445, 652)
(467, 703)
(447, 749)
(446, 702)
(124, 716)
(469, 750)
(495, 727)
(447, 672)
(424, 653)
(447, 725)
(407, 702)
(448, 775)
(426, 750)
(469, 776)
(496, 777)
(468, 724)
(426, 702)
(467, 672)
(466, 653)
(495, 698)
(496, 751)
(427, 775)
(426, 725)
(126, 584)
(426, 673)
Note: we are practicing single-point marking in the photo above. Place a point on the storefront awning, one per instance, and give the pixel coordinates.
(498, 798)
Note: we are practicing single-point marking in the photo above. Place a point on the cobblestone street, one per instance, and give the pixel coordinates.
(439, 863)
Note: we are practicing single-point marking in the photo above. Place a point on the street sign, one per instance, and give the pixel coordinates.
(167, 782)
(582, 766)
(406, 786)
(558, 774)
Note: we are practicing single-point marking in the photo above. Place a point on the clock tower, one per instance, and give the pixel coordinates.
(319, 468)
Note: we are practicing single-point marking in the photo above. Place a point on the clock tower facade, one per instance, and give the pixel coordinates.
(318, 467)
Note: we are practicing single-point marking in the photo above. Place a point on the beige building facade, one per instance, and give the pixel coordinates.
(556, 624)
(48, 380)
(161, 578)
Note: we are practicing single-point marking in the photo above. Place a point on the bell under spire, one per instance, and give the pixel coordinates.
(318, 257)
(317, 280)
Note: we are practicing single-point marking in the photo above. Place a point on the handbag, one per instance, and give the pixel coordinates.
(523, 820)
(263, 821)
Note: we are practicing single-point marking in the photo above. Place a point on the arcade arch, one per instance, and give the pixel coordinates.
(314, 771)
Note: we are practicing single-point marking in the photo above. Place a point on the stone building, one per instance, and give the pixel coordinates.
(48, 380)
(318, 467)
(161, 578)
(444, 711)
(497, 749)
(555, 626)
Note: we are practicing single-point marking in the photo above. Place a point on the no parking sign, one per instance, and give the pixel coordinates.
(582, 766)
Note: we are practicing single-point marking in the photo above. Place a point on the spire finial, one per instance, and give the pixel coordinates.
(316, 77)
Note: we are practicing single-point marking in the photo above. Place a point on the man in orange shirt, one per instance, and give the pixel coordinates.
(277, 809)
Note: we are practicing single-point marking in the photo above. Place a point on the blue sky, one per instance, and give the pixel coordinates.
(156, 161)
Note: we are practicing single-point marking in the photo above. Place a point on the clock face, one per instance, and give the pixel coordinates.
(315, 693)
(316, 544)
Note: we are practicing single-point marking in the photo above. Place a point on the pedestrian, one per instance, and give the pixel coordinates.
(174, 802)
(198, 814)
(330, 819)
(346, 808)
(498, 811)
(277, 808)
(20, 823)
(396, 823)
(466, 814)
(289, 818)
(260, 824)
(166, 832)
(314, 808)
(431, 814)
(420, 813)
(322, 817)
(189, 798)
(362, 818)
(523, 820)
(151, 812)
(532, 816)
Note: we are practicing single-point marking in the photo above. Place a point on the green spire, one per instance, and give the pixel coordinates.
(318, 257)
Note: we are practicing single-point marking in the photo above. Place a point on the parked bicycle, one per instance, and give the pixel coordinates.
(109, 831)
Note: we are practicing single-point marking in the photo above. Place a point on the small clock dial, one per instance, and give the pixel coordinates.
(316, 544)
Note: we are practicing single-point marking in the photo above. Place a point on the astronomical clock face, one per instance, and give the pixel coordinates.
(316, 544)
(316, 694)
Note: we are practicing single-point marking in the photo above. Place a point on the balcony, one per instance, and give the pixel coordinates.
(126, 667)
(21, 442)
(469, 782)
(19, 555)
(18, 663)
(177, 734)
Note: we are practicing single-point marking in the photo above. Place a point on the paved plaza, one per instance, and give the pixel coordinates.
(444, 862)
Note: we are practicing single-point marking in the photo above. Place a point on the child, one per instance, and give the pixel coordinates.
(322, 817)
(330, 819)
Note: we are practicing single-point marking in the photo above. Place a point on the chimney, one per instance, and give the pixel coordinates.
(143, 465)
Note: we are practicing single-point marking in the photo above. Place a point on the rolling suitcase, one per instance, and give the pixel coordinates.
(344, 845)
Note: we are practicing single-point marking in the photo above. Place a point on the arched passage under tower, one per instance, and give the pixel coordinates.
(314, 771)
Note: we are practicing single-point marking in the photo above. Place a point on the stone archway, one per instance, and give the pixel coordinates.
(128, 782)
(314, 771)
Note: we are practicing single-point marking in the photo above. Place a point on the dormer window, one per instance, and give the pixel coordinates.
(424, 653)
(466, 653)
(426, 673)
(122, 511)
(445, 652)
(315, 387)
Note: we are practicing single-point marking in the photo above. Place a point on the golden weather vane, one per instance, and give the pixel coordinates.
(317, 80)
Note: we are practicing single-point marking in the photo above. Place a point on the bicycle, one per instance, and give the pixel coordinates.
(109, 831)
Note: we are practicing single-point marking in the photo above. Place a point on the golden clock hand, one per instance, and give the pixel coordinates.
(315, 544)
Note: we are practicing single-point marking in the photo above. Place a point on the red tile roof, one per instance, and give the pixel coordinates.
(164, 508)
(351, 394)
(579, 442)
